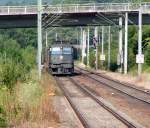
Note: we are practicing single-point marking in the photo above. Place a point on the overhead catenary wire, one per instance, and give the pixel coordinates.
(51, 20)
(107, 19)
(131, 22)
(49, 17)
(54, 17)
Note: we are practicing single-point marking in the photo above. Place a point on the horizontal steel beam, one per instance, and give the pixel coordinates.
(68, 20)
(73, 15)
(76, 8)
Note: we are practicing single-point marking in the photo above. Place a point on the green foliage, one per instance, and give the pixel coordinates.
(132, 49)
(92, 58)
(147, 53)
(28, 57)
(17, 59)
(146, 45)
(8, 73)
(3, 122)
(29, 93)
(131, 59)
(11, 71)
(15, 107)
(24, 37)
(15, 62)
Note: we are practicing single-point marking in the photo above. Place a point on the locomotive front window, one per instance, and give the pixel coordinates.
(67, 50)
(56, 51)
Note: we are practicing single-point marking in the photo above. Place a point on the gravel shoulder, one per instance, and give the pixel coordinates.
(143, 83)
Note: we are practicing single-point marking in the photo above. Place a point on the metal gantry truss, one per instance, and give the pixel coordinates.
(77, 8)
(53, 12)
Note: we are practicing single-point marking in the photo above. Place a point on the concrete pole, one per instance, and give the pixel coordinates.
(126, 44)
(102, 49)
(109, 41)
(102, 40)
(56, 37)
(46, 49)
(46, 40)
(39, 36)
(78, 44)
(140, 42)
(120, 52)
(83, 45)
(88, 46)
(96, 55)
(99, 40)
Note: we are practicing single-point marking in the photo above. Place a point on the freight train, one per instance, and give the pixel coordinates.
(61, 59)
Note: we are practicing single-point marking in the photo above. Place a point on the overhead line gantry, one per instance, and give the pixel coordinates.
(90, 14)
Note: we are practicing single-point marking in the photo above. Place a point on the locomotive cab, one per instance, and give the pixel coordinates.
(61, 59)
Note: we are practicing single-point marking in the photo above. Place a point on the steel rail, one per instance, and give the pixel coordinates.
(81, 118)
(120, 116)
(117, 82)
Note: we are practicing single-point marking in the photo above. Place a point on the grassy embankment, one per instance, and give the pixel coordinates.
(29, 105)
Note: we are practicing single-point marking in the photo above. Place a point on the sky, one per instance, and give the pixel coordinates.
(4, 2)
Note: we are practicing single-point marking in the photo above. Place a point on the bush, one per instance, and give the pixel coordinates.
(11, 72)
(15, 66)
(113, 67)
(92, 58)
(3, 122)
(8, 75)
(28, 57)
(30, 105)
(147, 54)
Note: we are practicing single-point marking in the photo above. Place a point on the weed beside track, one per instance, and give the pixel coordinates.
(30, 104)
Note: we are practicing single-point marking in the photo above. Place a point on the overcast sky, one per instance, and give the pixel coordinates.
(3, 2)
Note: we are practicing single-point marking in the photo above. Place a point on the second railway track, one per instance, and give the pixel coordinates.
(134, 92)
(119, 116)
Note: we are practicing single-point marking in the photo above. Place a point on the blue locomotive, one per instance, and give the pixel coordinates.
(61, 59)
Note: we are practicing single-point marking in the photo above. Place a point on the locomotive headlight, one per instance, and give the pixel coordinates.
(61, 57)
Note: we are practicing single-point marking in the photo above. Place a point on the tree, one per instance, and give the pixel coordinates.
(147, 51)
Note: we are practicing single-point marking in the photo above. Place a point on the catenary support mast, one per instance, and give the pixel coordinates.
(96, 41)
(88, 46)
(109, 41)
(140, 43)
(126, 44)
(120, 52)
(39, 36)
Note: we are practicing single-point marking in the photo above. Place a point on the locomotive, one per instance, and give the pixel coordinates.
(61, 59)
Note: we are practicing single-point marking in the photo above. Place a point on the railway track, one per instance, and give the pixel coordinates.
(81, 118)
(127, 121)
(125, 88)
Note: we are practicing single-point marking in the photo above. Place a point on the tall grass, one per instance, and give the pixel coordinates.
(30, 104)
